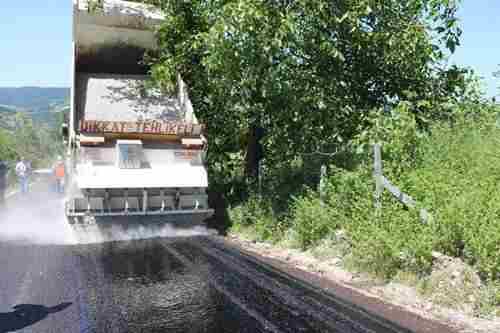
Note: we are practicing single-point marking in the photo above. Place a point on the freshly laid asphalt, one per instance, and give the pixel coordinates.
(52, 282)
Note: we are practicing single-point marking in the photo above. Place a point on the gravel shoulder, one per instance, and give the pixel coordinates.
(398, 294)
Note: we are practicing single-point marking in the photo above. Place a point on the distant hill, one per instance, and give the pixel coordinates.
(5, 108)
(42, 105)
(33, 98)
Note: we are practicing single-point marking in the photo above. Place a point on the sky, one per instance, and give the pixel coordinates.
(480, 48)
(35, 42)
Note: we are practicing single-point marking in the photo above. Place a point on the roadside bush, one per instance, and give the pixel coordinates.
(256, 219)
(452, 170)
(311, 220)
(249, 213)
(392, 240)
(459, 183)
(286, 180)
(345, 189)
(398, 133)
(482, 245)
(335, 246)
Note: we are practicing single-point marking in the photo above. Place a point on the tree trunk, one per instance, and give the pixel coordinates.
(254, 154)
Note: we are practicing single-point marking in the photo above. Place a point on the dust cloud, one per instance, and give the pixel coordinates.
(87, 234)
(29, 219)
(39, 219)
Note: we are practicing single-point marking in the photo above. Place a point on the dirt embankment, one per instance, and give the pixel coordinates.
(452, 294)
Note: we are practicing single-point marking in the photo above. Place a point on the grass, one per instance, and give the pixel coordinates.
(453, 170)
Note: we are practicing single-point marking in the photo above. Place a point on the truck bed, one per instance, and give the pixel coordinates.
(122, 97)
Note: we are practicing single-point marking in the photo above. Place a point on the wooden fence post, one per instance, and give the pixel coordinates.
(260, 180)
(382, 183)
(322, 185)
(377, 174)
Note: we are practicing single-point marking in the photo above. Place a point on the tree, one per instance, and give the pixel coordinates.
(496, 74)
(38, 142)
(301, 76)
(6, 146)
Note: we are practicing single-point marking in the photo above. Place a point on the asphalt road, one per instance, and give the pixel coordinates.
(51, 282)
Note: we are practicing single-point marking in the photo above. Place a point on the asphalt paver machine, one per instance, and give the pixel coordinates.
(132, 150)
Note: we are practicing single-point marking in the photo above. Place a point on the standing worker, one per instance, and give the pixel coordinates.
(22, 175)
(59, 173)
(3, 181)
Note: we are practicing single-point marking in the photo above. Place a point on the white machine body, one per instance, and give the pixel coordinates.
(133, 150)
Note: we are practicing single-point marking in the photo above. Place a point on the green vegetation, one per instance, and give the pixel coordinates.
(37, 143)
(35, 133)
(285, 87)
(274, 80)
(452, 170)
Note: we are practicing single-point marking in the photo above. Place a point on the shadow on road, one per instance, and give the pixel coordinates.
(25, 315)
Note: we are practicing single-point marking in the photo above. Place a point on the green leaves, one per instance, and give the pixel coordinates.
(37, 142)
(309, 72)
(316, 76)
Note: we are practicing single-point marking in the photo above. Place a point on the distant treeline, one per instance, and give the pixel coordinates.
(33, 98)
(37, 142)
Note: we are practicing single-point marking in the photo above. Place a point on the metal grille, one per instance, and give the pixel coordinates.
(129, 154)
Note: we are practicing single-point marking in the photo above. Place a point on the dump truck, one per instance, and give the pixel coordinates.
(133, 150)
